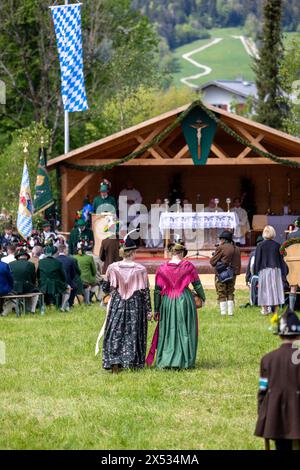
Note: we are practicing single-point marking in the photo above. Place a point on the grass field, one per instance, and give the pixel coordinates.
(227, 59)
(54, 394)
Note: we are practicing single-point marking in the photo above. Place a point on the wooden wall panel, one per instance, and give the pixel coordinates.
(209, 181)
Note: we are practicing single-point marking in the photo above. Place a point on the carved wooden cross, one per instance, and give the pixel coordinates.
(199, 125)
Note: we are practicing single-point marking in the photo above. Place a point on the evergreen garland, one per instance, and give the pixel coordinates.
(166, 132)
(287, 243)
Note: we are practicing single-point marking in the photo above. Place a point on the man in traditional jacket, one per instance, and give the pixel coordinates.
(109, 251)
(279, 388)
(78, 233)
(229, 255)
(24, 275)
(105, 202)
(71, 269)
(88, 272)
(52, 279)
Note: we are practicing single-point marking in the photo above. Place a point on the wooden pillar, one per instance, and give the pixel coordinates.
(64, 202)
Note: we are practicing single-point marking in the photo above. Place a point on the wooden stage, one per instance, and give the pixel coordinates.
(153, 258)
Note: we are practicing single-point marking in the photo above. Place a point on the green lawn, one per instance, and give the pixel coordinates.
(227, 59)
(54, 394)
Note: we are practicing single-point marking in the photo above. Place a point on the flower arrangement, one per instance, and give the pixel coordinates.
(287, 243)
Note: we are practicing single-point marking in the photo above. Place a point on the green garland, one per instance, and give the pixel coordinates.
(287, 243)
(156, 140)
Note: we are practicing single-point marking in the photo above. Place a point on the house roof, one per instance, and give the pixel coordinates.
(239, 87)
(120, 144)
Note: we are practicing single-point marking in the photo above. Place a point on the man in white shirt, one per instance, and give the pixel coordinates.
(211, 234)
(239, 235)
(11, 249)
(133, 197)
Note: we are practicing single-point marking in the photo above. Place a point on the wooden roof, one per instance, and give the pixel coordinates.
(173, 149)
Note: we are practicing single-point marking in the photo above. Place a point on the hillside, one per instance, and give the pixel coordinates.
(228, 54)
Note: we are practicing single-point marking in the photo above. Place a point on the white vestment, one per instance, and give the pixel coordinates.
(243, 227)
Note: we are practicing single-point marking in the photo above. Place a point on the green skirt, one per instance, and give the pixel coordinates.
(178, 332)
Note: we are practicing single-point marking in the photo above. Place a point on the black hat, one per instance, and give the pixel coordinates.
(20, 252)
(289, 324)
(226, 235)
(128, 244)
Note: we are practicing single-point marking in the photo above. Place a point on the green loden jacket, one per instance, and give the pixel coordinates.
(51, 276)
(24, 276)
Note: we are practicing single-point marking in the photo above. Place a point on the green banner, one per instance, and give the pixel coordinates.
(43, 194)
(199, 131)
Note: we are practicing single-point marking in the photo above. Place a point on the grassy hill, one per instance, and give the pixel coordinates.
(228, 59)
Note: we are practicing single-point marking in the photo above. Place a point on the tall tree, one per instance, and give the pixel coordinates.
(267, 66)
(120, 55)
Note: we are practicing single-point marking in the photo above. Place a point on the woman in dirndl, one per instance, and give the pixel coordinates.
(125, 335)
(271, 270)
(176, 312)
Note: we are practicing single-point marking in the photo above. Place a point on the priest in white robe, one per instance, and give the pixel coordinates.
(243, 227)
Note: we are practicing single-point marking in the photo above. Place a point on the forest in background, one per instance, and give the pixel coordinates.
(179, 22)
(127, 64)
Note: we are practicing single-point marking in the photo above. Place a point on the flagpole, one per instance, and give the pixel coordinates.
(67, 131)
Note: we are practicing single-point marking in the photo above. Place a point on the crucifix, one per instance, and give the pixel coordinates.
(199, 126)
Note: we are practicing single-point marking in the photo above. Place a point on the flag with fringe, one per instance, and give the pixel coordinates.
(24, 221)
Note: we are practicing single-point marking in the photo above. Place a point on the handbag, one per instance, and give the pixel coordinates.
(225, 272)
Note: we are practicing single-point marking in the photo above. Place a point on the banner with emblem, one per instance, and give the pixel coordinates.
(199, 131)
(24, 220)
(43, 194)
(67, 24)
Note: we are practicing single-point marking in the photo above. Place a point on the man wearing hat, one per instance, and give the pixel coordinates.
(52, 279)
(104, 202)
(227, 255)
(24, 276)
(88, 271)
(47, 231)
(109, 251)
(279, 388)
(80, 232)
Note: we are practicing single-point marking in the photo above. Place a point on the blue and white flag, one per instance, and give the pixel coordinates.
(24, 221)
(67, 24)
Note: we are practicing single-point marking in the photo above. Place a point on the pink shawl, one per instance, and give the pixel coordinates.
(127, 278)
(174, 278)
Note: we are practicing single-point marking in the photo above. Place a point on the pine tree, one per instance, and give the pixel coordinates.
(267, 66)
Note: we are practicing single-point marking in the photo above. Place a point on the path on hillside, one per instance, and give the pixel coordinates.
(206, 70)
(249, 46)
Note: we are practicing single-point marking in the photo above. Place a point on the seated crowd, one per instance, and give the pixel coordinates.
(44, 264)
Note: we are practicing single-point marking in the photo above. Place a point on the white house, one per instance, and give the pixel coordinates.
(222, 93)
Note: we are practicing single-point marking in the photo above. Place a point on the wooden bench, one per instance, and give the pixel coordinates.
(20, 301)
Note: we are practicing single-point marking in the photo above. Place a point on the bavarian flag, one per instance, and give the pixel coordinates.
(43, 194)
(24, 221)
